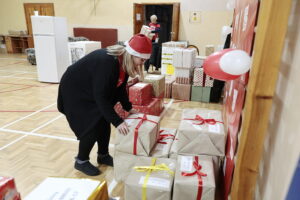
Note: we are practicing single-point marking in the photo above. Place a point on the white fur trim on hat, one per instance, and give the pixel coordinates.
(135, 53)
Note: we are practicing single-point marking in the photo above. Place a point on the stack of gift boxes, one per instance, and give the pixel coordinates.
(183, 62)
(161, 163)
(167, 52)
(146, 97)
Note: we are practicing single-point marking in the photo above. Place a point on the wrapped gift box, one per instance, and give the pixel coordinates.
(188, 57)
(181, 91)
(201, 131)
(178, 57)
(183, 75)
(8, 189)
(154, 107)
(120, 111)
(183, 80)
(168, 86)
(201, 94)
(79, 49)
(174, 44)
(164, 143)
(152, 178)
(140, 93)
(194, 178)
(147, 31)
(69, 188)
(158, 83)
(123, 164)
(142, 136)
(201, 79)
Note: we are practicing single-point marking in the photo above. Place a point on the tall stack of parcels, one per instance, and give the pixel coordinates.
(162, 163)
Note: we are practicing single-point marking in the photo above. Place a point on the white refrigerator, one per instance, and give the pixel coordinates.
(50, 37)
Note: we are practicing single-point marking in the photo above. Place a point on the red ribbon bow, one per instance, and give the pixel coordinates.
(203, 121)
(199, 174)
(164, 137)
(136, 130)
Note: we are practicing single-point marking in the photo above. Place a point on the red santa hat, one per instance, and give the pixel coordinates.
(139, 45)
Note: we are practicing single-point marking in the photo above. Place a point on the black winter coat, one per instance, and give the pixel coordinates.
(88, 92)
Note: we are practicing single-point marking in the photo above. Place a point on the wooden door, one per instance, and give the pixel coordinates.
(175, 22)
(138, 17)
(46, 9)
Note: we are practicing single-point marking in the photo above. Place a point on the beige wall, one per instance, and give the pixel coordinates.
(118, 14)
(281, 151)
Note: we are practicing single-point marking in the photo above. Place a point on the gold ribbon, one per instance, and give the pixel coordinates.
(149, 170)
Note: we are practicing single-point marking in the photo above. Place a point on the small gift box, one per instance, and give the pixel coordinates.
(181, 91)
(194, 178)
(151, 178)
(140, 93)
(158, 83)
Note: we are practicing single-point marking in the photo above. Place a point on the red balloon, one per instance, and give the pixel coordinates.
(211, 66)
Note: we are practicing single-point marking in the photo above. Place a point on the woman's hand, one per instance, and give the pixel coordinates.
(123, 128)
(133, 111)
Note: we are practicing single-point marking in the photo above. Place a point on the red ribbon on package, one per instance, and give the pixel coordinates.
(199, 174)
(163, 137)
(136, 130)
(203, 121)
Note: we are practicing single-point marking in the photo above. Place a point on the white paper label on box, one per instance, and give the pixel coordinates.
(235, 94)
(141, 85)
(214, 128)
(157, 182)
(186, 163)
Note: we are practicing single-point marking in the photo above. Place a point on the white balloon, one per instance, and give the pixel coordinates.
(235, 62)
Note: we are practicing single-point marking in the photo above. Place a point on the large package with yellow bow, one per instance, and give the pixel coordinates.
(151, 178)
(194, 178)
(142, 136)
(201, 131)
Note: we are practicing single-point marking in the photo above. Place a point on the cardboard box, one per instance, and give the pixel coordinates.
(79, 49)
(205, 138)
(181, 91)
(69, 188)
(194, 178)
(142, 136)
(157, 82)
(144, 183)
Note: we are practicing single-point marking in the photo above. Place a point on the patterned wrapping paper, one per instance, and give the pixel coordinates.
(155, 107)
(158, 83)
(142, 136)
(181, 91)
(183, 80)
(201, 79)
(192, 181)
(199, 61)
(206, 138)
(168, 86)
(158, 182)
(183, 72)
(140, 93)
(120, 111)
(164, 143)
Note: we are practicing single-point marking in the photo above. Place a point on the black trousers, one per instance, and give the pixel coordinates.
(155, 58)
(100, 134)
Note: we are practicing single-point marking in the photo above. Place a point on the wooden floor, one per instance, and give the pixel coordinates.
(36, 141)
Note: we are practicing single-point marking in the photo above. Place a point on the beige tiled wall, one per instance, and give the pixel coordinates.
(282, 144)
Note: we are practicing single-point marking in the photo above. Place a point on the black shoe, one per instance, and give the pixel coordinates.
(106, 160)
(87, 168)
